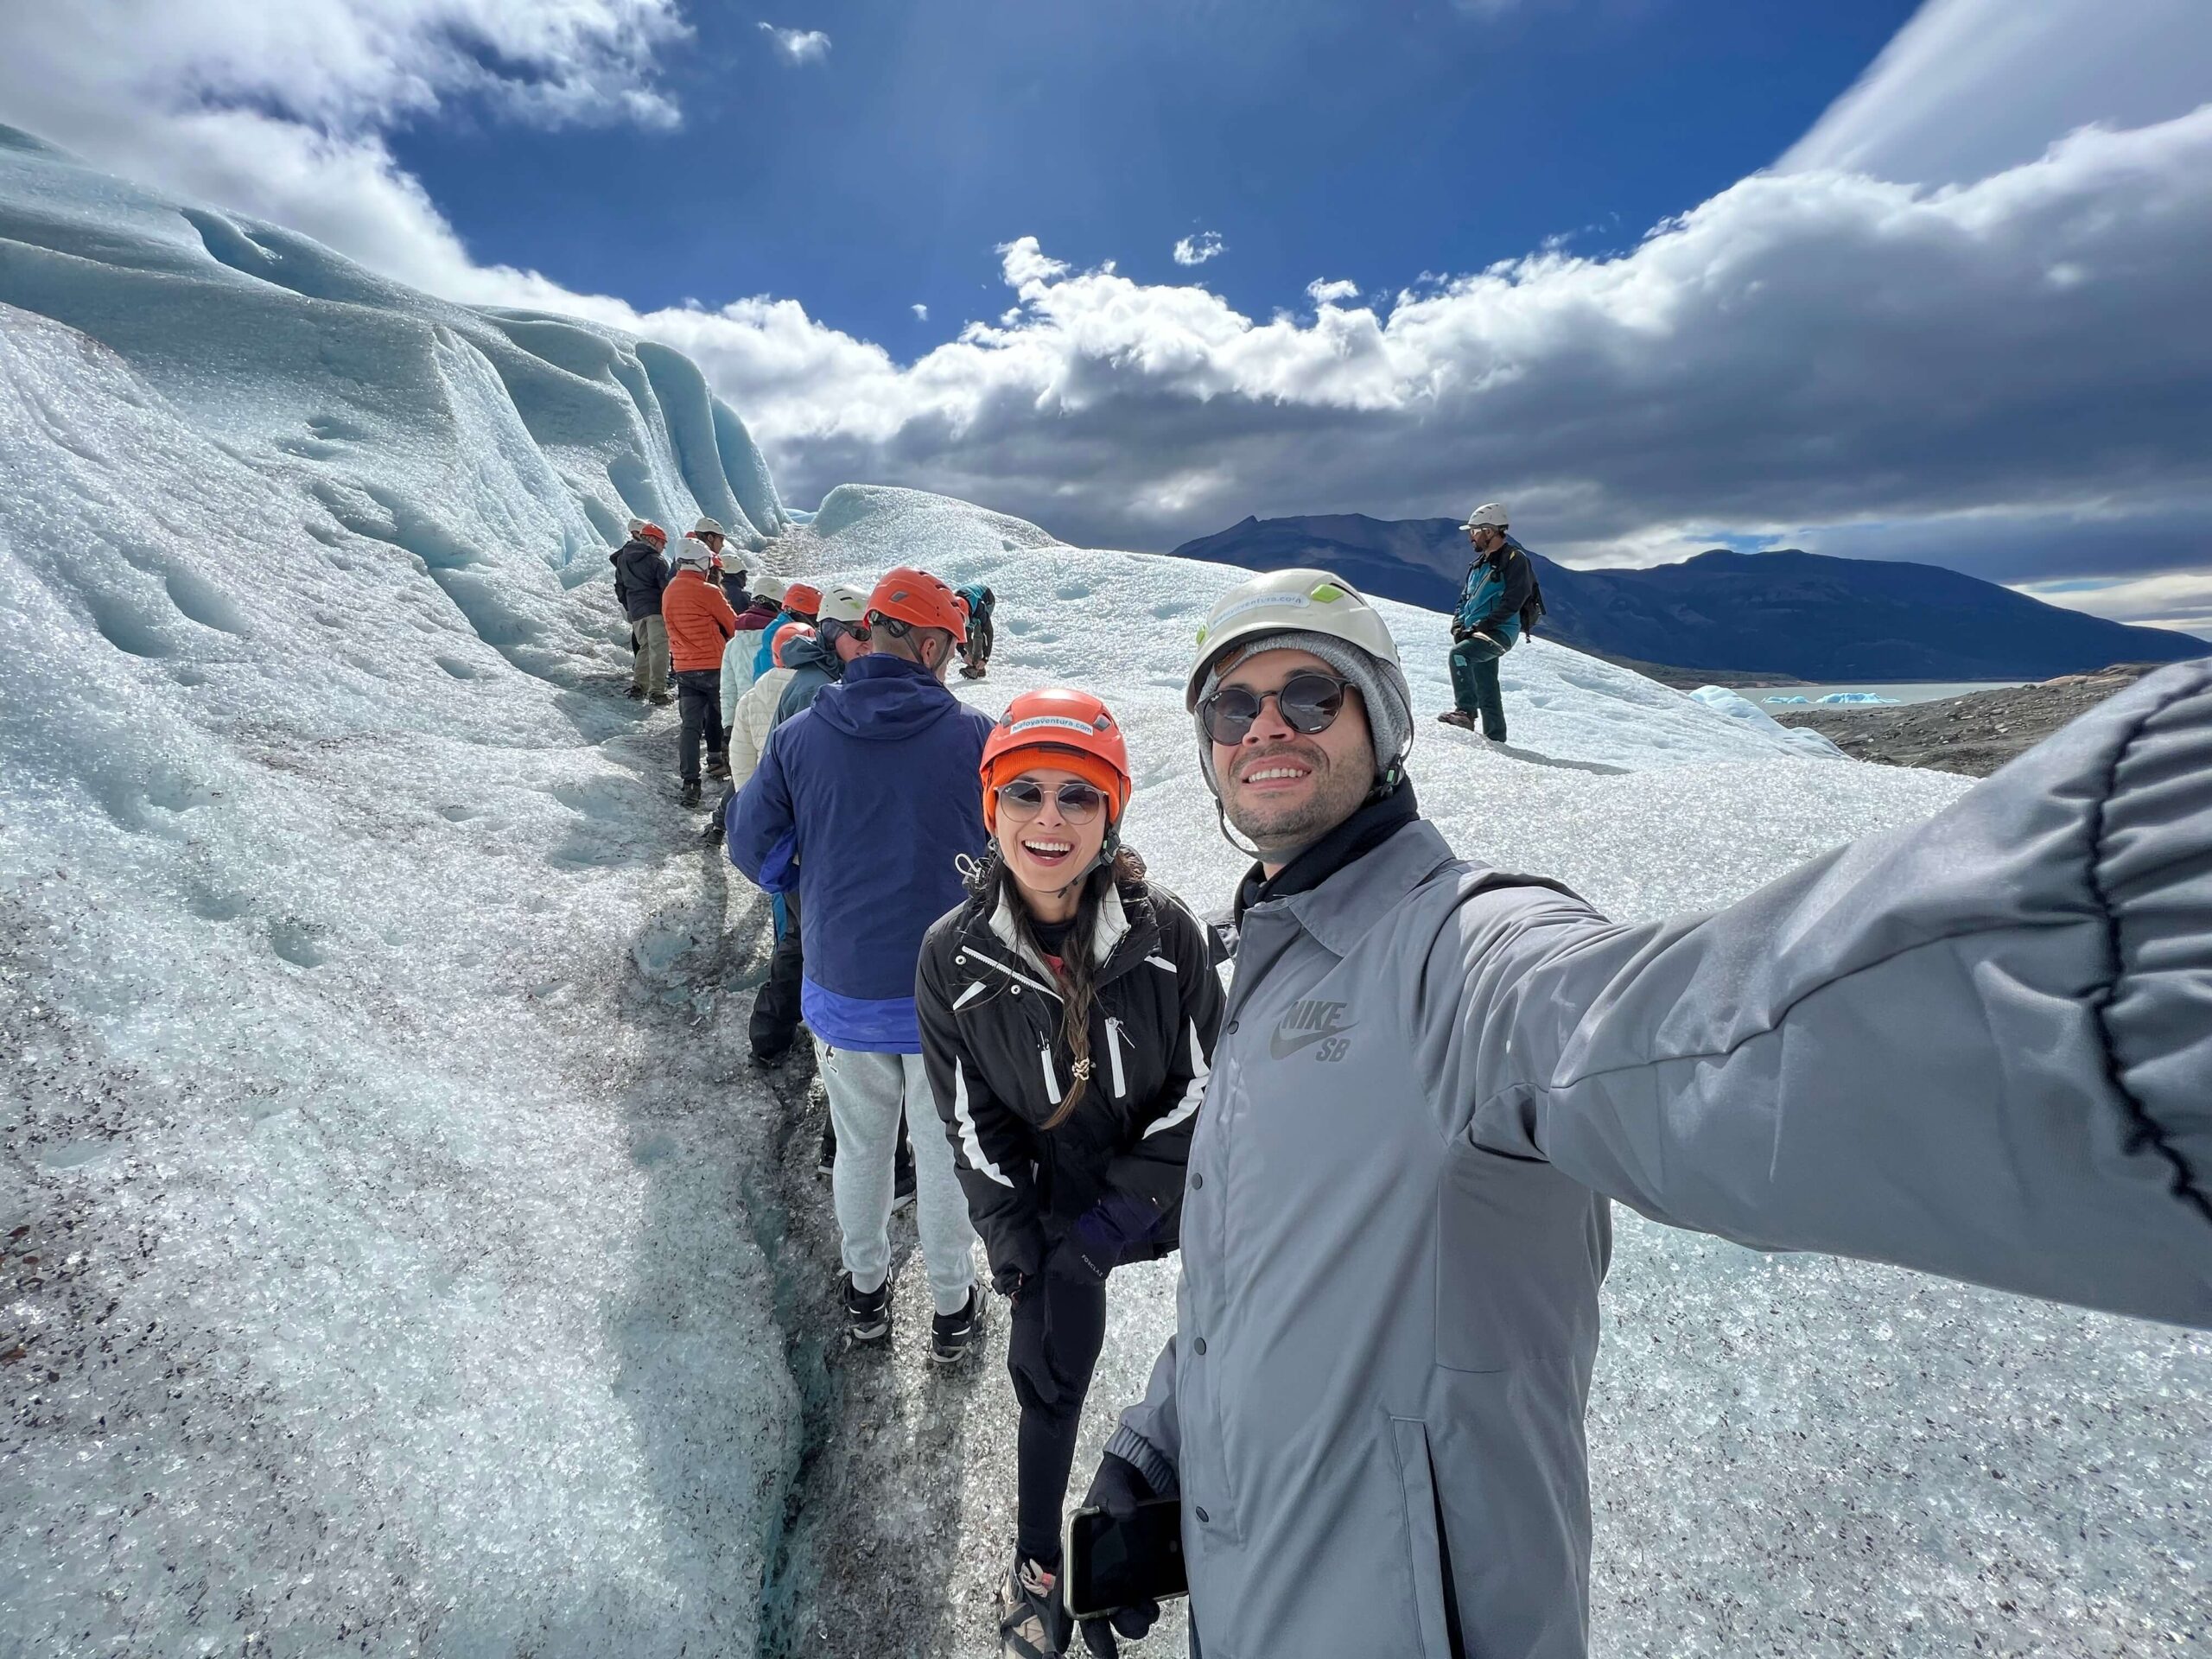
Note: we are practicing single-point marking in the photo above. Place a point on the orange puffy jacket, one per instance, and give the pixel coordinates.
(700, 621)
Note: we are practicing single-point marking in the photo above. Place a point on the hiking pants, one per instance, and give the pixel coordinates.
(775, 1009)
(698, 700)
(978, 651)
(1474, 685)
(867, 1094)
(649, 655)
(1073, 1313)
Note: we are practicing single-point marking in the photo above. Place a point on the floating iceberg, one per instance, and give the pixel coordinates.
(1771, 701)
(1737, 707)
(1855, 699)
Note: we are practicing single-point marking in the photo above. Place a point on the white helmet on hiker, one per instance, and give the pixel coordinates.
(1490, 515)
(1325, 616)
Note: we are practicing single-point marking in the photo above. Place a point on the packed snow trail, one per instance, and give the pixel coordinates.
(398, 1258)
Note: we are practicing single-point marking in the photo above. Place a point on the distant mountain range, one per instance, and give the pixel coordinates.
(1804, 615)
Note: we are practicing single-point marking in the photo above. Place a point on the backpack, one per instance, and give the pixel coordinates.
(1533, 612)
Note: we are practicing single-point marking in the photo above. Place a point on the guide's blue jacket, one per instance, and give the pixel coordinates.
(863, 803)
(1978, 1046)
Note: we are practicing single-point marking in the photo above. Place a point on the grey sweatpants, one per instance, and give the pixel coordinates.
(867, 1094)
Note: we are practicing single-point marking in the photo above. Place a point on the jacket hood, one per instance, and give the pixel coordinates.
(884, 700)
(813, 653)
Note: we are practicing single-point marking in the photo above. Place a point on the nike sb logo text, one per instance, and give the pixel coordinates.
(1309, 1023)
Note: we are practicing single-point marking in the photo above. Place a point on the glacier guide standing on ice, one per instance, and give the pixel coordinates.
(1487, 623)
(1981, 1047)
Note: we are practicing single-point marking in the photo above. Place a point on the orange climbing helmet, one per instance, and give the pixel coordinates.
(784, 635)
(1062, 728)
(650, 531)
(919, 599)
(802, 599)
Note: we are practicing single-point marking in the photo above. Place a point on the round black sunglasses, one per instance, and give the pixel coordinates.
(1309, 701)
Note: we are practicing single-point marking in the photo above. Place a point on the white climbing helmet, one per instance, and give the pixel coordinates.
(844, 603)
(769, 588)
(1310, 602)
(709, 527)
(695, 556)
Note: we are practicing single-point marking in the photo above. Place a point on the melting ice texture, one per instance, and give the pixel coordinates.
(384, 1267)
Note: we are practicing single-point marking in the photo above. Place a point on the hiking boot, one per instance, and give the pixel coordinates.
(902, 1181)
(1033, 1622)
(970, 671)
(769, 1062)
(691, 791)
(717, 766)
(1459, 717)
(660, 699)
(826, 1160)
(867, 1314)
(636, 694)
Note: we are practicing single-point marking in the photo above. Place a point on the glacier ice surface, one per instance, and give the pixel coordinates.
(390, 1264)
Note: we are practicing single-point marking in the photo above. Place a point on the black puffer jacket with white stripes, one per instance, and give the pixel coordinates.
(990, 1017)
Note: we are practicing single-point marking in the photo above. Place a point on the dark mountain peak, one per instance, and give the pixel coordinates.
(1810, 616)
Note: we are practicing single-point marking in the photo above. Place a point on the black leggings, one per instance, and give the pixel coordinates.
(1076, 1329)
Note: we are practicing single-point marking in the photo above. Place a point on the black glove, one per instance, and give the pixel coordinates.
(1119, 1228)
(1033, 1383)
(1117, 1488)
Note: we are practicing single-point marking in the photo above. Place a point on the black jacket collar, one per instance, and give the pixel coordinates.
(1358, 835)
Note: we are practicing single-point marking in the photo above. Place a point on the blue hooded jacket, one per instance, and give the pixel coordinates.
(816, 665)
(862, 803)
(764, 658)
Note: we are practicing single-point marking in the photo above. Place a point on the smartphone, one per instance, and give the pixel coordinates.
(1114, 1564)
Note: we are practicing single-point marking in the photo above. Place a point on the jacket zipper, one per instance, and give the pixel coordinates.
(1114, 1056)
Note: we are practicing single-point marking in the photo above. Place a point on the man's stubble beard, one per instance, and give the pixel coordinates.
(1281, 836)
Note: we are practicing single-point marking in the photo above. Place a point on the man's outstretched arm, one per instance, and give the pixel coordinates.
(1981, 1047)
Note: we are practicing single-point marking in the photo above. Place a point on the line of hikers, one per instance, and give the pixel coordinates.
(694, 619)
(1981, 1048)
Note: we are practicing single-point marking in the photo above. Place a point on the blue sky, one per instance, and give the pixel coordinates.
(1367, 141)
(1851, 276)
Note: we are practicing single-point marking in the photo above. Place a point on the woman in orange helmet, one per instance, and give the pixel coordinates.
(1068, 1011)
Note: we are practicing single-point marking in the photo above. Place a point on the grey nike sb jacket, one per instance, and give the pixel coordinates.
(1981, 1047)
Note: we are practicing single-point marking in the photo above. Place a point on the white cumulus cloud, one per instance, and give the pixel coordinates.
(2007, 373)
(1196, 250)
(921, 311)
(800, 45)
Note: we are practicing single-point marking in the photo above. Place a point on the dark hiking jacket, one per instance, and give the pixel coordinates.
(990, 1015)
(640, 577)
(1496, 588)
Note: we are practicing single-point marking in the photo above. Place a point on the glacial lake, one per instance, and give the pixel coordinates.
(1895, 691)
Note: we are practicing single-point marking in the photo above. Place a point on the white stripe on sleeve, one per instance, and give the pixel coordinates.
(1197, 1091)
(970, 1142)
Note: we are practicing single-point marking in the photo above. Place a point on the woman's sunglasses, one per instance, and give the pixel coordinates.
(1022, 800)
(1309, 702)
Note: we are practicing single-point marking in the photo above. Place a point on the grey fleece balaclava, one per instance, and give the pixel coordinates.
(1382, 688)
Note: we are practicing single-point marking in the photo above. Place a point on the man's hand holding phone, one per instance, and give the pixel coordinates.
(1147, 1541)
